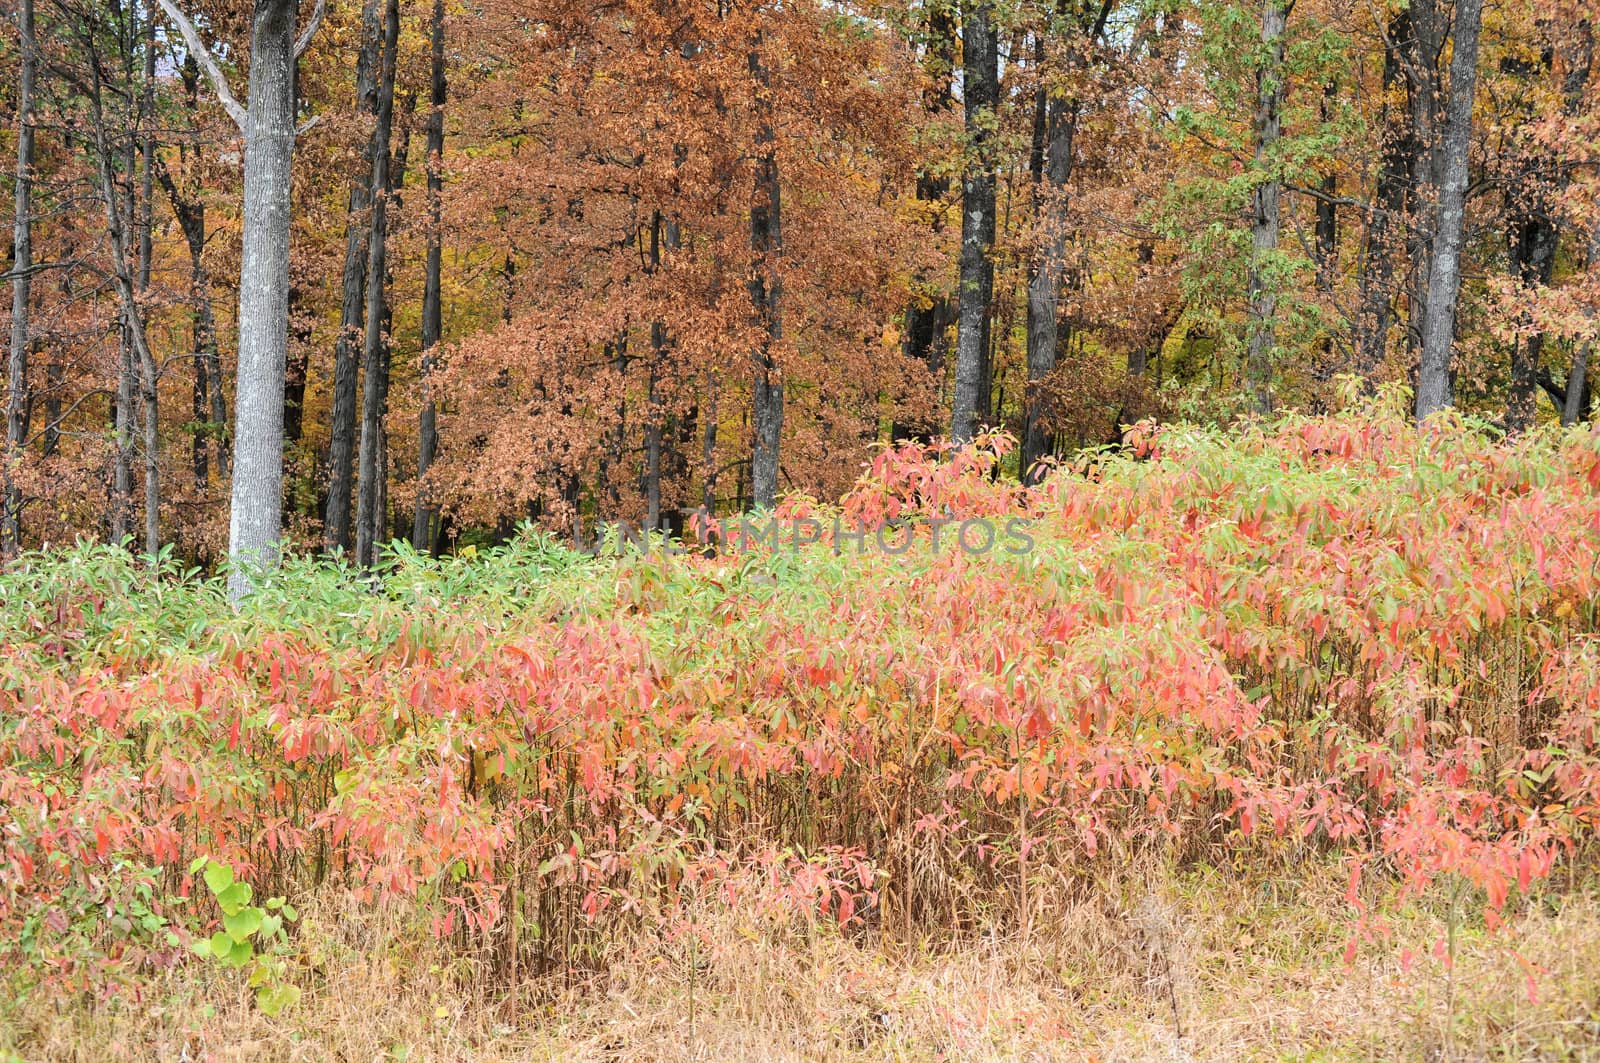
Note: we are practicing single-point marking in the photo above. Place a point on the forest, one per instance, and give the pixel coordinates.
(575, 265)
(691, 529)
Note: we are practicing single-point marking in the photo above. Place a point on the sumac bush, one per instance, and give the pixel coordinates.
(1342, 633)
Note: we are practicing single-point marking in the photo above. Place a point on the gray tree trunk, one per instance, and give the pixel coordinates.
(346, 365)
(423, 528)
(980, 92)
(375, 346)
(766, 292)
(256, 516)
(1044, 286)
(1434, 391)
(17, 401)
(1424, 103)
(1267, 222)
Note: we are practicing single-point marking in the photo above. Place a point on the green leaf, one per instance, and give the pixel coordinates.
(272, 999)
(218, 877)
(243, 923)
(240, 954)
(234, 897)
(270, 925)
(220, 944)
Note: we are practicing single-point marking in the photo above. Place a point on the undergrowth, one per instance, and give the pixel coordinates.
(1338, 642)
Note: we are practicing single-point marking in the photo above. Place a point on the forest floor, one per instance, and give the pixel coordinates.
(1169, 966)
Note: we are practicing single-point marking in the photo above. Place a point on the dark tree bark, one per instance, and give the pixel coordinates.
(357, 232)
(1044, 286)
(1267, 221)
(1430, 30)
(17, 398)
(708, 450)
(1534, 234)
(927, 320)
(766, 291)
(1434, 389)
(663, 237)
(298, 362)
(1328, 208)
(375, 346)
(424, 526)
(210, 404)
(1577, 399)
(1056, 126)
(1393, 202)
(980, 99)
(123, 215)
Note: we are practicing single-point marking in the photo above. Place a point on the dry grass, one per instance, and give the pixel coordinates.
(1203, 965)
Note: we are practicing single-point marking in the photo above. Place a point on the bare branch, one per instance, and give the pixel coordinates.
(202, 55)
(303, 41)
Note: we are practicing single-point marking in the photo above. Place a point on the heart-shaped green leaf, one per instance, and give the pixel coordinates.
(234, 897)
(243, 923)
(218, 877)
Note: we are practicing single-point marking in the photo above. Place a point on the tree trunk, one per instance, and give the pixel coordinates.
(375, 351)
(17, 401)
(1575, 404)
(1424, 99)
(210, 404)
(1534, 230)
(423, 528)
(663, 236)
(1055, 129)
(122, 420)
(708, 451)
(766, 291)
(256, 514)
(1265, 204)
(1444, 277)
(980, 97)
(138, 368)
(927, 320)
(346, 367)
(1394, 198)
(149, 372)
(1044, 286)
(1572, 410)
(1328, 208)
